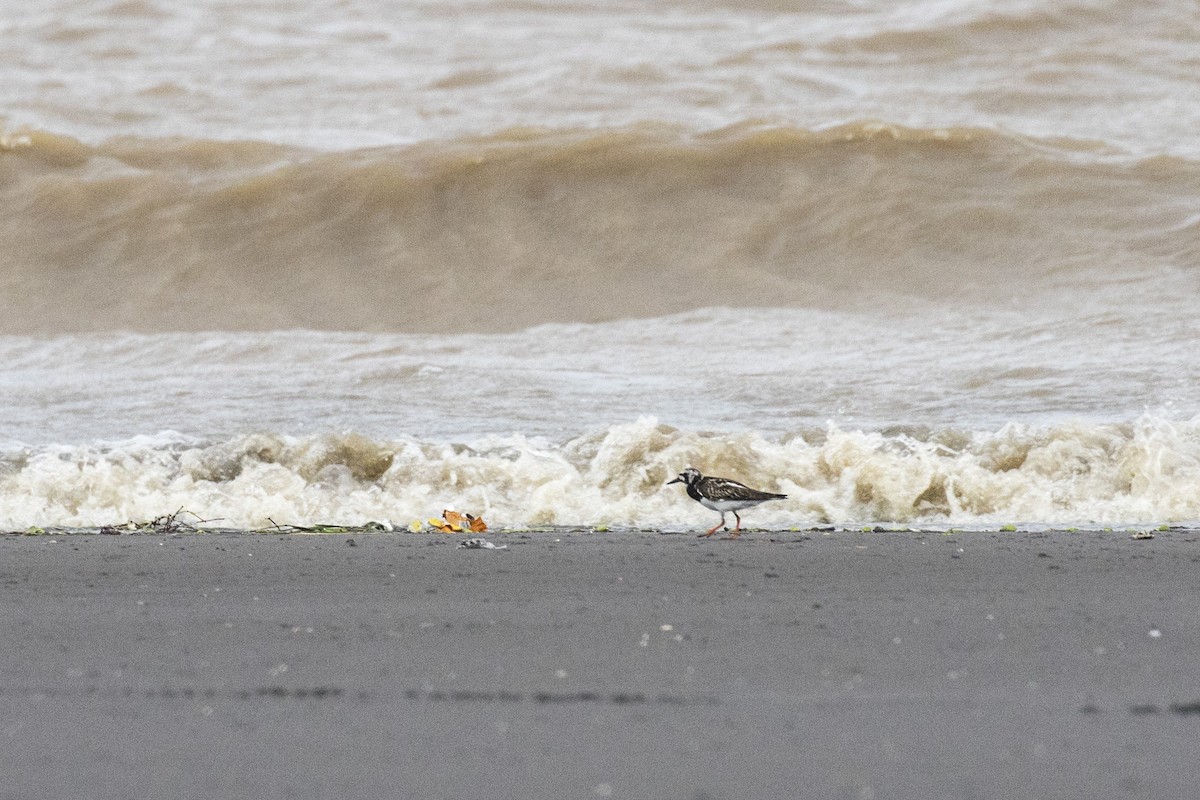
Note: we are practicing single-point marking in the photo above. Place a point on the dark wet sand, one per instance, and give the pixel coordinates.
(850, 665)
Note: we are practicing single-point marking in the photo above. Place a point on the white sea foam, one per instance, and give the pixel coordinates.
(774, 371)
(1140, 472)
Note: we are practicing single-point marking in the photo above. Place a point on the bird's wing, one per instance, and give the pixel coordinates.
(726, 489)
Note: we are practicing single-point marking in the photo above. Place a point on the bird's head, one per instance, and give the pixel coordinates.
(687, 477)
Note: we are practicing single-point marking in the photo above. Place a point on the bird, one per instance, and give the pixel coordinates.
(722, 494)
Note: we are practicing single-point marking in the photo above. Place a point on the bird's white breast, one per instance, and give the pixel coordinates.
(727, 505)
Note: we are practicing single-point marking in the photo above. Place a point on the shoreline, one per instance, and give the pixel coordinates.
(173, 528)
(574, 664)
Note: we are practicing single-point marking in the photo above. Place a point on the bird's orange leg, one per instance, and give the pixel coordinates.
(737, 529)
(713, 529)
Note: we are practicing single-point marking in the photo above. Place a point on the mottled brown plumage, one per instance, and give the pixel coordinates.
(723, 495)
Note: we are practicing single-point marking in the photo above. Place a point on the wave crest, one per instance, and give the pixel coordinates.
(529, 227)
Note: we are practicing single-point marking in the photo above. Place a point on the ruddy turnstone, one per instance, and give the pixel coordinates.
(722, 494)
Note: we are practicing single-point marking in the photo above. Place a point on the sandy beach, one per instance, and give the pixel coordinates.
(582, 664)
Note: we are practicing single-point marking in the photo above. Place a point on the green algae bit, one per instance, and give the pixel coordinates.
(1008, 528)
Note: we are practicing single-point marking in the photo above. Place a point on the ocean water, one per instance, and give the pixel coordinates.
(933, 263)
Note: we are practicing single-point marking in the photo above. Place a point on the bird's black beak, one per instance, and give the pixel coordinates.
(678, 479)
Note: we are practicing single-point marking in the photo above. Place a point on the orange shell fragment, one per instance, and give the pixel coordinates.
(455, 522)
(455, 518)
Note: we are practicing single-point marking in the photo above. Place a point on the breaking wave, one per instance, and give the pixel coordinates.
(533, 226)
(1145, 471)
